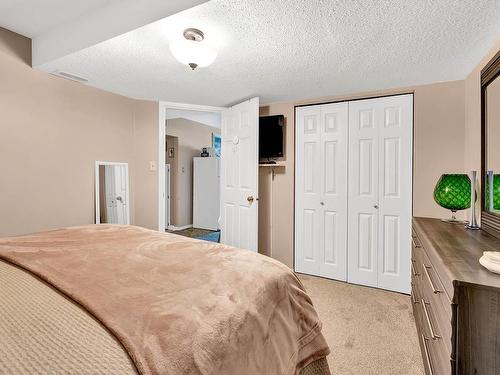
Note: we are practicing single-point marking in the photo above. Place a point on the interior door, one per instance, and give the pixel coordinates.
(395, 193)
(321, 190)
(363, 192)
(239, 178)
(111, 206)
(120, 187)
(380, 193)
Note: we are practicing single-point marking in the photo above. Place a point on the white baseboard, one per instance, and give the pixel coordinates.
(174, 228)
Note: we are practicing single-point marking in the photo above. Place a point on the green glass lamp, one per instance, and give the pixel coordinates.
(453, 192)
(495, 195)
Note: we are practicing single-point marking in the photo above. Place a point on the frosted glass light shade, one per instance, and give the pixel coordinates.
(192, 52)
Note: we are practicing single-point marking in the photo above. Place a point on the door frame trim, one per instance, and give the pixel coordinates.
(409, 92)
(167, 198)
(163, 107)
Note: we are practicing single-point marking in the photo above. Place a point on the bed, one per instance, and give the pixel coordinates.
(111, 299)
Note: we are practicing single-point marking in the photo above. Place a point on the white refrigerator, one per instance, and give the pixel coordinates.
(206, 193)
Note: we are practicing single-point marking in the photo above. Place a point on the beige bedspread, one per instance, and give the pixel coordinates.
(180, 306)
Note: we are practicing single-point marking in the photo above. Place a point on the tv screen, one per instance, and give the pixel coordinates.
(271, 136)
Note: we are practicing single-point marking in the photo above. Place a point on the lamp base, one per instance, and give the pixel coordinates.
(472, 227)
(455, 221)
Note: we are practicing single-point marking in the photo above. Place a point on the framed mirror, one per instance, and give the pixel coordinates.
(111, 193)
(490, 166)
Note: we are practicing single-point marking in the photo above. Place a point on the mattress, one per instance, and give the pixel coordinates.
(43, 331)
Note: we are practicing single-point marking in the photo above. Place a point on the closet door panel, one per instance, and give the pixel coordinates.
(321, 190)
(363, 193)
(395, 201)
(380, 192)
(333, 203)
(308, 215)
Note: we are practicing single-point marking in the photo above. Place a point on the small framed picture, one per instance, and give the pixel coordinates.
(216, 144)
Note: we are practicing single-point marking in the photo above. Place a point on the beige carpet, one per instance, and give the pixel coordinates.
(369, 331)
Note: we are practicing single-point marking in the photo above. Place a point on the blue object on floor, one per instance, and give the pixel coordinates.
(212, 237)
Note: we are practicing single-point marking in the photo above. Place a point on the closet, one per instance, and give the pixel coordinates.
(353, 191)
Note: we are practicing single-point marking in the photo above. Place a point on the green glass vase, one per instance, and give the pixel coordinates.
(453, 192)
(496, 193)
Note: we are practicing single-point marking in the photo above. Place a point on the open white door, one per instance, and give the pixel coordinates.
(240, 175)
(111, 206)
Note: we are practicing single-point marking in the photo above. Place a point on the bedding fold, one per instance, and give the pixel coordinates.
(179, 305)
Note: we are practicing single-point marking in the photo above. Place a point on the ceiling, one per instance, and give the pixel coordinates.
(34, 17)
(59, 28)
(212, 119)
(283, 50)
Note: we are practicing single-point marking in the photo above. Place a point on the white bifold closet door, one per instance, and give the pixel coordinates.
(380, 192)
(353, 191)
(321, 190)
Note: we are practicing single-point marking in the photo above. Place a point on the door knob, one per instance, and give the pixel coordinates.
(322, 203)
(375, 206)
(120, 199)
(250, 198)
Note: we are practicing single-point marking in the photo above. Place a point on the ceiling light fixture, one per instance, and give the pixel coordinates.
(191, 51)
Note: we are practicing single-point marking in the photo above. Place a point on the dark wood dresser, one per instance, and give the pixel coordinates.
(456, 302)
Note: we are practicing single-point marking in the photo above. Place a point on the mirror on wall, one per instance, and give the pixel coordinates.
(492, 188)
(490, 136)
(111, 193)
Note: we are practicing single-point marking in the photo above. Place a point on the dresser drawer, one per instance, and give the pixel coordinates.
(438, 303)
(461, 298)
(438, 356)
(433, 324)
(435, 356)
(441, 360)
(415, 298)
(417, 260)
(435, 310)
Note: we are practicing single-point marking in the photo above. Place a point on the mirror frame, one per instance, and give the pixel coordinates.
(97, 208)
(490, 222)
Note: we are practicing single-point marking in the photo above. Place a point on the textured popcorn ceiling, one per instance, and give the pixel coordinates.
(33, 17)
(282, 50)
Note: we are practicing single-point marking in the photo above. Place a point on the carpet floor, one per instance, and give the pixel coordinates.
(369, 331)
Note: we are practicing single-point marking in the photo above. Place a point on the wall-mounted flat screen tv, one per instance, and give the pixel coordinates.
(271, 136)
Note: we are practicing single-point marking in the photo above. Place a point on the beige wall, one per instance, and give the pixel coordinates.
(192, 136)
(145, 181)
(51, 133)
(438, 147)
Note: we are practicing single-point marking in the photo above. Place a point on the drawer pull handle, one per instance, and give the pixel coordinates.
(413, 299)
(427, 356)
(434, 289)
(415, 273)
(434, 336)
(416, 245)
